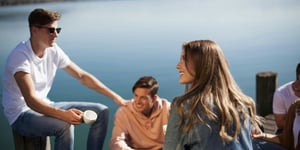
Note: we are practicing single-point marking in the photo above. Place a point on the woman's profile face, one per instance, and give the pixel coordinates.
(185, 76)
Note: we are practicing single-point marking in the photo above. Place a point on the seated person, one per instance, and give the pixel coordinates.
(283, 97)
(289, 138)
(28, 78)
(140, 124)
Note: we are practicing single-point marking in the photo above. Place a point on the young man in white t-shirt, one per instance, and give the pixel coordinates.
(283, 98)
(28, 76)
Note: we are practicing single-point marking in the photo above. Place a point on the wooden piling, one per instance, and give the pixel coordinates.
(31, 143)
(266, 84)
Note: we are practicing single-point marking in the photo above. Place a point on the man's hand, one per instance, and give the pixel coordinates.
(73, 116)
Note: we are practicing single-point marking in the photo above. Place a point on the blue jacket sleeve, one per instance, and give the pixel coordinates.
(172, 133)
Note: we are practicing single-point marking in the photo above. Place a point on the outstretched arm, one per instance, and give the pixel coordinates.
(92, 82)
(257, 133)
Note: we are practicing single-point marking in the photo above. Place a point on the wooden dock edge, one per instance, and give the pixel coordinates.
(269, 124)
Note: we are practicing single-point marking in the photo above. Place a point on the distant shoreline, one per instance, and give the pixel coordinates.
(22, 2)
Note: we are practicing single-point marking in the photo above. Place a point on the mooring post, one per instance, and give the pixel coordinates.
(266, 84)
(31, 143)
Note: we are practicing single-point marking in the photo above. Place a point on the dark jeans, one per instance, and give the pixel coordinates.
(259, 144)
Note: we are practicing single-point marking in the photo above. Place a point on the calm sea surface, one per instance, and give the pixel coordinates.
(119, 41)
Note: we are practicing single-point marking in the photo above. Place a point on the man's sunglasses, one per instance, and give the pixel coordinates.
(50, 29)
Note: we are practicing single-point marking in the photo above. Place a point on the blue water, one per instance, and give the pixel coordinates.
(119, 41)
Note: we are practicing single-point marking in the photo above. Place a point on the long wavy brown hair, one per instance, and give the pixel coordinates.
(287, 137)
(213, 85)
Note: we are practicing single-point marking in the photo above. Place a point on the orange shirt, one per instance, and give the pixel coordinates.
(133, 130)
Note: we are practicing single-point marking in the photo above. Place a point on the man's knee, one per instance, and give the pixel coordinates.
(64, 128)
(105, 113)
(102, 109)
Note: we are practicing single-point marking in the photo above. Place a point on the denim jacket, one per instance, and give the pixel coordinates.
(201, 137)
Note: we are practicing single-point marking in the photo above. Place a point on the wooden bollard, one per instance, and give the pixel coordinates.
(31, 143)
(266, 83)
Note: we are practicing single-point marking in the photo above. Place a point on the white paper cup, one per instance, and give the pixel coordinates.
(89, 116)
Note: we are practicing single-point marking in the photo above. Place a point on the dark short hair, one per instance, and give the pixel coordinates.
(148, 82)
(41, 16)
(298, 71)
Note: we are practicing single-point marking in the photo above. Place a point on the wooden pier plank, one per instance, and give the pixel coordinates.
(269, 124)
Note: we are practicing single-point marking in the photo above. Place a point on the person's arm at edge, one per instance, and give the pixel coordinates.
(92, 82)
(259, 134)
(280, 120)
(278, 103)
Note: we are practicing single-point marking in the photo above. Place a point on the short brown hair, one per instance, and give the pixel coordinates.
(41, 16)
(147, 82)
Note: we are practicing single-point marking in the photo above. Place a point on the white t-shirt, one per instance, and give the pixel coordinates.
(296, 129)
(42, 71)
(283, 98)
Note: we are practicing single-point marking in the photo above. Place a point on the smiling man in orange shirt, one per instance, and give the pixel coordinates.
(140, 124)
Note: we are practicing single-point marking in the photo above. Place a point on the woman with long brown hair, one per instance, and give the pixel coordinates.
(213, 113)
